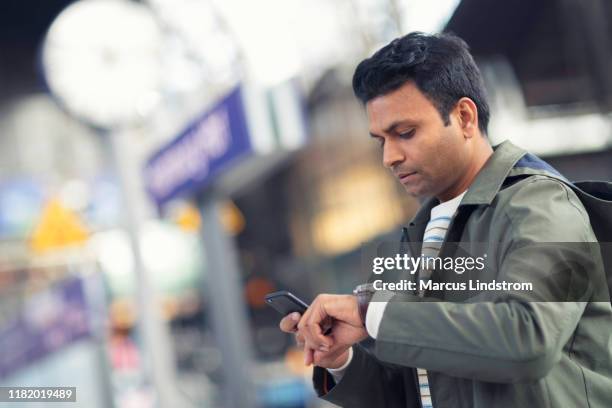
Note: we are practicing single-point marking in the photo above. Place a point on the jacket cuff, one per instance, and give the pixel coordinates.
(342, 392)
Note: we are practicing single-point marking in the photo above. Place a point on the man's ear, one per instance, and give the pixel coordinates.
(467, 116)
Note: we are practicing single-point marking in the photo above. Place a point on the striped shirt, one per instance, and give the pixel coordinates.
(435, 231)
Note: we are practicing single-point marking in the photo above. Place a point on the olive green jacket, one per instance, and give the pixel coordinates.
(514, 351)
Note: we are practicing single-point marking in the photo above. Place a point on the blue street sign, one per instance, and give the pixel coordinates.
(213, 143)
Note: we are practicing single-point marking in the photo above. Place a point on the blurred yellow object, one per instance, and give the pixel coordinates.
(122, 314)
(231, 218)
(170, 307)
(58, 227)
(189, 218)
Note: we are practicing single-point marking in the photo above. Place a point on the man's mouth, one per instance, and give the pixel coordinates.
(406, 177)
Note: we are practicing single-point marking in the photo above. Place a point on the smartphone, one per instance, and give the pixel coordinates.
(286, 302)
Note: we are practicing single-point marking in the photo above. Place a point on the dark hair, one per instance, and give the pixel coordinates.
(440, 65)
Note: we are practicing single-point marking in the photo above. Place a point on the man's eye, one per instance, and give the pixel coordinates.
(406, 135)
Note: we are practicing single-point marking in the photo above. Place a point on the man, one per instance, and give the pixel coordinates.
(427, 107)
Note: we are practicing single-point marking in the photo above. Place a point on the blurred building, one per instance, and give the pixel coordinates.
(547, 65)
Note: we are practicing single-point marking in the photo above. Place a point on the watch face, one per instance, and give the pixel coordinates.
(101, 59)
(364, 288)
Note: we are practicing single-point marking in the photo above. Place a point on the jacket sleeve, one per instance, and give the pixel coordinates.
(368, 383)
(510, 337)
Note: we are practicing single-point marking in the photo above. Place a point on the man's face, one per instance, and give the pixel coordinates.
(427, 157)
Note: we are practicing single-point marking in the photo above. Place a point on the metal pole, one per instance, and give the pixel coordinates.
(229, 318)
(158, 353)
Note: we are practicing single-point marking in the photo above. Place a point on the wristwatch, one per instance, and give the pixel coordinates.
(364, 293)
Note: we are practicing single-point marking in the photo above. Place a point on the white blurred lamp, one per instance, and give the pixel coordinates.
(101, 61)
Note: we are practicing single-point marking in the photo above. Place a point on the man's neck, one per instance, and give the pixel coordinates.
(482, 154)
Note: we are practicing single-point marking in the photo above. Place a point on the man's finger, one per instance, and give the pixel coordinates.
(313, 334)
(289, 323)
(308, 356)
(303, 319)
(299, 339)
(315, 346)
(326, 342)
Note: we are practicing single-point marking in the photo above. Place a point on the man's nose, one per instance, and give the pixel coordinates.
(392, 154)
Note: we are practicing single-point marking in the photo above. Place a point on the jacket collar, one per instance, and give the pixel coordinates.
(487, 183)
(491, 177)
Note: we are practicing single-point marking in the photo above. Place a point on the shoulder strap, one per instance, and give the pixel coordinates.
(596, 197)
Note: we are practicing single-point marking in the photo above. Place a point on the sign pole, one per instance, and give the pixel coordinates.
(156, 341)
(228, 312)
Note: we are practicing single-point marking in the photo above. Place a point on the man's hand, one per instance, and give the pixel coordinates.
(326, 360)
(340, 314)
(344, 336)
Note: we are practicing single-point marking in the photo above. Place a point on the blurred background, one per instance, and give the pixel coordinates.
(166, 163)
